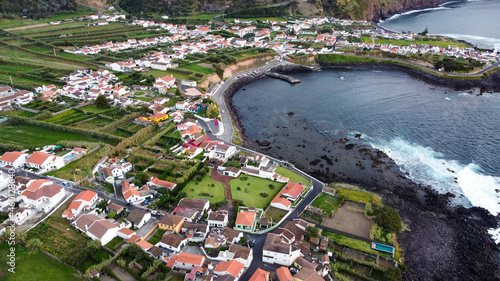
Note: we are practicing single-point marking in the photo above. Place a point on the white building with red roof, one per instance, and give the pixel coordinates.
(165, 81)
(134, 194)
(45, 161)
(292, 191)
(97, 228)
(15, 159)
(83, 201)
(232, 267)
(156, 182)
(187, 261)
(44, 198)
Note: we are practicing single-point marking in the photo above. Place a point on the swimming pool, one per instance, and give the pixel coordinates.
(383, 248)
(69, 157)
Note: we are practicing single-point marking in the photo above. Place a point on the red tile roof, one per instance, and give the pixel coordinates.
(38, 158)
(284, 274)
(86, 195)
(260, 275)
(245, 218)
(292, 189)
(11, 156)
(191, 259)
(233, 267)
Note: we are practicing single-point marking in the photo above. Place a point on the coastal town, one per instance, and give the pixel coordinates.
(127, 166)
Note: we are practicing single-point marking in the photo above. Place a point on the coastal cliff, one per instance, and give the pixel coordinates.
(372, 10)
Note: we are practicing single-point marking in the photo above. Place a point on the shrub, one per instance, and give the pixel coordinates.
(271, 186)
(263, 194)
(389, 219)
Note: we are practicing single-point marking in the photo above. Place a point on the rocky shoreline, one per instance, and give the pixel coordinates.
(492, 83)
(443, 242)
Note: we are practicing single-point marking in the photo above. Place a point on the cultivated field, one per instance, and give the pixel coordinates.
(347, 219)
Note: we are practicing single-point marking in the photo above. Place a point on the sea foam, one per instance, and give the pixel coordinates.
(468, 182)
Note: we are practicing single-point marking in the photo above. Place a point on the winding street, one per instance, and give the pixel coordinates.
(226, 136)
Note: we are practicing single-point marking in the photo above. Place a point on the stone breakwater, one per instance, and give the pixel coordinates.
(492, 83)
(442, 242)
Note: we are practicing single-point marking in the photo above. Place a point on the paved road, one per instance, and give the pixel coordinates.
(227, 136)
(72, 188)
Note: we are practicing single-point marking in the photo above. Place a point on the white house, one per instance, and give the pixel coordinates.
(236, 252)
(232, 267)
(187, 261)
(15, 159)
(20, 215)
(44, 198)
(217, 219)
(155, 182)
(172, 241)
(138, 217)
(277, 250)
(220, 151)
(97, 228)
(45, 161)
(83, 201)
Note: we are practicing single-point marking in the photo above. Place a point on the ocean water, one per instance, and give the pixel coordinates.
(476, 22)
(447, 139)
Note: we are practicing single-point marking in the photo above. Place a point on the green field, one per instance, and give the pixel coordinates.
(19, 56)
(13, 68)
(198, 68)
(251, 189)
(176, 74)
(292, 175)
(418, 42)
(34, 266)
(17, 113)
(327, 203)
(353, 243)
(31, 136)
(357, 195)
(194, 188)
(11, 23)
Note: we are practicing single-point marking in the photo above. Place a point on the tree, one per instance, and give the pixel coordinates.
(389, 219)
(34, 244)
(312, 231)
(141, 178)
(102, 102)
(112, 214)
(393, 274)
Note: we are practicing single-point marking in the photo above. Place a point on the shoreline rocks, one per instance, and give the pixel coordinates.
(444, 242)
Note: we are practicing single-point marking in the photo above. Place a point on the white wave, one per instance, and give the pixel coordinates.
(495, 234)
(480, 188)
(417, 11)
(480, 41)
(467, 182)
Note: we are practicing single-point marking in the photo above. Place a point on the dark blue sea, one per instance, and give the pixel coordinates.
(476, 22)
(447, 139)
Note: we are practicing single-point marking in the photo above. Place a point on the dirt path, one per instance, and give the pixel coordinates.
(26, 27)
(225, 181)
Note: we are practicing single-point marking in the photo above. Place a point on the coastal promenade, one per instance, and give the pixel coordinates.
(228, 133)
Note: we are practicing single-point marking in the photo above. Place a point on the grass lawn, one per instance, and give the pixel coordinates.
(29, 136)
(34, 266)
(353, 243)
(198, 68)
(327, 203)
(18, 113)
(251, 189)
(93, 108)
(357, 195)
(84, 164)
(155, 239)
(194, 188)
(275, 214)
(292, 175)
(176, 74)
